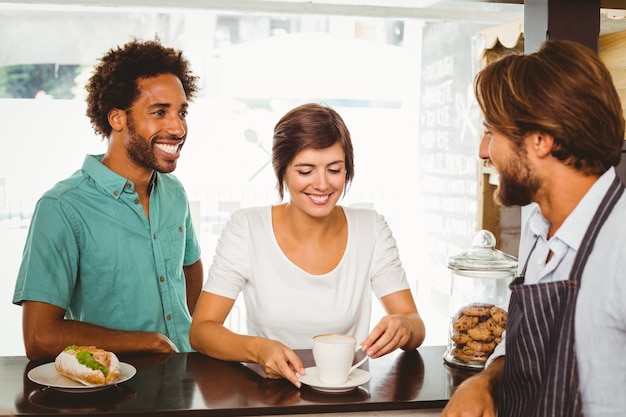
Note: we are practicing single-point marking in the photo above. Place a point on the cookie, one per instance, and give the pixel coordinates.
(485, 347)
(464, 323)
(472, 352)
(481, 333)
(468, 357)
(477, 309)
(498, 315)
(461, 338)
(495, 328)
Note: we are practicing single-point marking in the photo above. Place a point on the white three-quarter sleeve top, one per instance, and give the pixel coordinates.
(284, 302)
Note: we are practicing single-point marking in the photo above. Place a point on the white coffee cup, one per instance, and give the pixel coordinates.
(333, 355)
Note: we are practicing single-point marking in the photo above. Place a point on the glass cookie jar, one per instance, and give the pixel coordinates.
(479, 298)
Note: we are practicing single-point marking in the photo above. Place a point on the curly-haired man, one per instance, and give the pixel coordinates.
(111, 257)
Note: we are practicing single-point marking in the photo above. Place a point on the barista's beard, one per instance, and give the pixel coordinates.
(518, 184)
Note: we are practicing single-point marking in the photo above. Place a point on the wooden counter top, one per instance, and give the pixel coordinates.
(195, 385)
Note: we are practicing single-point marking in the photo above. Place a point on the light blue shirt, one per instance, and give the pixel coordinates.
(92, 251)
(600, 321)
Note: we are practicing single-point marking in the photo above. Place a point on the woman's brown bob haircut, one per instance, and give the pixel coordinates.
(562, 90)
(309, 126)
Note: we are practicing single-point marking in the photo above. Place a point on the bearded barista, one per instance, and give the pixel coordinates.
(554, 130)
(111, 257)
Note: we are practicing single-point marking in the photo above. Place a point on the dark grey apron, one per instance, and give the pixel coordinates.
(540, 375)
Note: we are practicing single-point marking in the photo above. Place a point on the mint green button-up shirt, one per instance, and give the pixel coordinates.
(92, 251)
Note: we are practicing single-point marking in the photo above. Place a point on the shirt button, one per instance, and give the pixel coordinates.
(136, 201)
(180, 229)
(127, 185)
(169, 317)
(154, 236)
(161, 279)
(115, 193)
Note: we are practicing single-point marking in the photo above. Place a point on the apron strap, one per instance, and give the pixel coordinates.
(611, 197)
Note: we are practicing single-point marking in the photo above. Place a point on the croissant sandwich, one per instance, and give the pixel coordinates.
(88, 365)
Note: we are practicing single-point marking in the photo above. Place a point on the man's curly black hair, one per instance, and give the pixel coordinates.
(114, 80)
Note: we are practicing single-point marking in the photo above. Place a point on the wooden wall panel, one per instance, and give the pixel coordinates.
(612, 51)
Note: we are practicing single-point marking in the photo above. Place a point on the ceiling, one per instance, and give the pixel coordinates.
(492, 12)
(456, 10)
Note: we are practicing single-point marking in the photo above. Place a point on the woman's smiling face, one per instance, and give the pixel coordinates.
(316, 178)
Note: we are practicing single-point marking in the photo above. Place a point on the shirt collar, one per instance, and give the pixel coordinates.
(113, 183)
(575, 225)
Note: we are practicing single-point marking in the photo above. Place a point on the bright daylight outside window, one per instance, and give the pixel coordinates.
(253, 68)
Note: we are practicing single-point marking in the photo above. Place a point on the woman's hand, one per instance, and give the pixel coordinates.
(278, 361)
(209, 336)
(391, 332)
(401, 328)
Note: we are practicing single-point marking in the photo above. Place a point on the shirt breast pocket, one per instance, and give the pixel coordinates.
(175, 250)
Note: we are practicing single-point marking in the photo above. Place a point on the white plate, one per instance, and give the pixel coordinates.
(48, 376)
(356, 378)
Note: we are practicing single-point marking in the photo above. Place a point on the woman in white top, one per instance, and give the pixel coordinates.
(308, 266)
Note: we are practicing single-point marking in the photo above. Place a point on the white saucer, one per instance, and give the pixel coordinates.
(48, 376)
(356, 378)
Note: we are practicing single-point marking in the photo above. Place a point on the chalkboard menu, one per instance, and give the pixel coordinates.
(449, 133)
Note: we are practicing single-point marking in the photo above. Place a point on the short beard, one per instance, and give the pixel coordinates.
(518, 184)
(141, 150)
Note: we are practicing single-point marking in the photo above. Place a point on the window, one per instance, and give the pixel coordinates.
(253, 68)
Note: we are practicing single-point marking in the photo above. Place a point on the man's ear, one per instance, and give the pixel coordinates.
(117, 119)
(542, 144)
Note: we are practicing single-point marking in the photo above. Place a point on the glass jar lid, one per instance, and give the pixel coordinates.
(483, 256)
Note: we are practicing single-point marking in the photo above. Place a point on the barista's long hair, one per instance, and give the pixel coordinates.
(563, 90)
